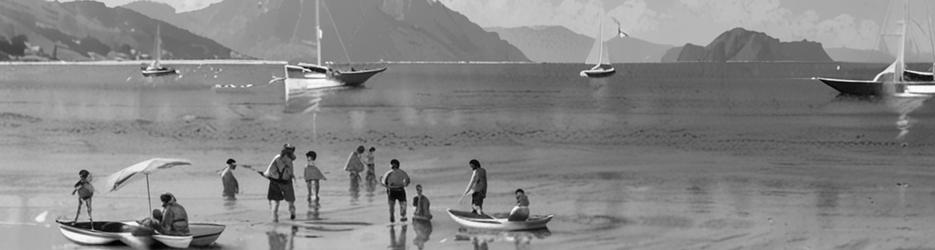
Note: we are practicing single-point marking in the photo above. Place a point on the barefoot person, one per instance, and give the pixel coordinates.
(521, 211)
(355, 163)
(312, 176)
(85, 191)
(174, 217)
(421, 203)
(477, 187)
(395, 180)
(231, 187)
(280, 174)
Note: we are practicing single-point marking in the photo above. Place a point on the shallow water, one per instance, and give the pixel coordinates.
(631, 161)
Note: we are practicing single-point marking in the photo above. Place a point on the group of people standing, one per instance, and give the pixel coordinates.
(281, 174)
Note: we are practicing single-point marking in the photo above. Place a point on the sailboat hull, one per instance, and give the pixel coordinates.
(854, 87)
(162, 71)
(877, 88)
(357, 77)
(598, 73)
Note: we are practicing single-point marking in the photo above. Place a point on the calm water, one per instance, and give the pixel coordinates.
(526, 98)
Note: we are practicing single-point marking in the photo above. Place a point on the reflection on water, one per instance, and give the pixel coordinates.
(904, 106)
(520, 239)
(827, 202)
(398, 243)
(313, 208)
(423, 230)
(700, 197)
(282, 241)
(371, 186)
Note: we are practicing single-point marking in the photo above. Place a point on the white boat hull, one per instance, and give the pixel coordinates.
(174, 241)
(493, 223)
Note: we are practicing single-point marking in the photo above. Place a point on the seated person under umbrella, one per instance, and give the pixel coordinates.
(174, 218)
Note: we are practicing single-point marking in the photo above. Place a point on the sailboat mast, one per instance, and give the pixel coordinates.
(317, 32)
(600, 40)
(901, 64)
(157, 48)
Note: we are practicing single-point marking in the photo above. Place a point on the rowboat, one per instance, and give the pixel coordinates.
(106, 232)
(203, 234)
(498, 222)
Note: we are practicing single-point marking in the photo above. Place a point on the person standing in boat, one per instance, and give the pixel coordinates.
(280, 174)
(231, 186)
(355, 163)
(521, 211)
(421, 204)
(477, 187)
(313, 176)
(395, 180)
(85, 191)
(174, 218)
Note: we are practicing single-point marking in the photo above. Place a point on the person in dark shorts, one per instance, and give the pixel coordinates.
(280, 174)
(395, 182)
(477, 187)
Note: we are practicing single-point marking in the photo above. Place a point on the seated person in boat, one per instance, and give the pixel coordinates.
(521, 211)
(152, 222)
(421, 203)
(174, 218)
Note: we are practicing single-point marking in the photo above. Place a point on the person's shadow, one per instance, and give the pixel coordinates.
(398, 243)
(281, 241)
(423, 232)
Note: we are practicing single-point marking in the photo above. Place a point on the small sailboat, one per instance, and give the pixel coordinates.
(602, 66)
(353, 77)
(155, 69)
(895, 80)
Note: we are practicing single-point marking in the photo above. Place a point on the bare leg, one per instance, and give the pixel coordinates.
(77, 213)
(309, 185)
(392, 210)
(291, 210)
(274, 206)
(402, 210)
(316, 188)
(88, 204)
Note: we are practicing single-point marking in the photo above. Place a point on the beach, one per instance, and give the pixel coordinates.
(623, 163)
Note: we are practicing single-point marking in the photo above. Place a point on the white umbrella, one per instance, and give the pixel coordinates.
(121, 178)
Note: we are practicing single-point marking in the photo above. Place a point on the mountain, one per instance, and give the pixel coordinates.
(559, 44)
(371, 30)
(739, 44)
(87, 30)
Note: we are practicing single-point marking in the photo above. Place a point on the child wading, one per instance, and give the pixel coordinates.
(85, 191)
(231, 187)
(313, 176)
(421, 203)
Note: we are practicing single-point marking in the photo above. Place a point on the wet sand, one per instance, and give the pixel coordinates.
(621, 165)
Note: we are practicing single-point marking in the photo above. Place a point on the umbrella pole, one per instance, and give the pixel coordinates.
(149, 198)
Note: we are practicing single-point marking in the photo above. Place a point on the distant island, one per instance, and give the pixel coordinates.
(390, 30)
(743, 45)
(87, 31)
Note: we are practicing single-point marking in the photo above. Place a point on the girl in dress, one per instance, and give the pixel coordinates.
(312, 176)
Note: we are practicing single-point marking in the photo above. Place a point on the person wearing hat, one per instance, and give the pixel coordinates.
(280, 174)
(231, 186)
(174, 218)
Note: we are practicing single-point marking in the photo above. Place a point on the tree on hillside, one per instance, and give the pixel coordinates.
(18, 45)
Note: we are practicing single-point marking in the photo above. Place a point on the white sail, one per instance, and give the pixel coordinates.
(157, 49)
(598, 54)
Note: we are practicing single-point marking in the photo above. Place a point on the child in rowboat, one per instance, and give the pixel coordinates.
(85, 191)
(521, 211)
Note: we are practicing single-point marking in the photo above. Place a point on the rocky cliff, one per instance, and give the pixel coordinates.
(743, 45)
(559, 44)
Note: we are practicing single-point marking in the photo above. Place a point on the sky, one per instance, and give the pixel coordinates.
(834, 23)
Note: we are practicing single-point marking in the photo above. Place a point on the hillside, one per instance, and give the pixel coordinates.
(739, 44)
(89, 30)
(559, 44)
(392, 30)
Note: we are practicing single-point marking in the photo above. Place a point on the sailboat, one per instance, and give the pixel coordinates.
(154, 69)
(353, 77)
(895, 80)
(602, 67)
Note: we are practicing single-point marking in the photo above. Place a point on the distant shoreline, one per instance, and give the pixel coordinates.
(138, 62)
